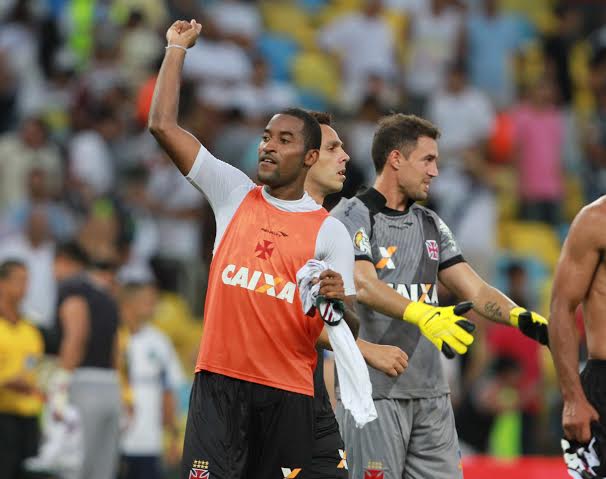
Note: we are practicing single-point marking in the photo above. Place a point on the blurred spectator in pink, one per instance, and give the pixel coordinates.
(539, 132)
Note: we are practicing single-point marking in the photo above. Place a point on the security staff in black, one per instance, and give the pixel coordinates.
(87, 377)
(402, 249)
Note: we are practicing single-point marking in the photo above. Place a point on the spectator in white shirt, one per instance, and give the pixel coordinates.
(20, 152)
(365, 44)
(36, 248)
(155, 377)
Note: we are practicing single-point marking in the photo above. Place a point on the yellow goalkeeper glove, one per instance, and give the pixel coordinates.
(530, 323)
(443, 326)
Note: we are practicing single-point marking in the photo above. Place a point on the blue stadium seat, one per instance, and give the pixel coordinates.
(311, 100)
(278, 51)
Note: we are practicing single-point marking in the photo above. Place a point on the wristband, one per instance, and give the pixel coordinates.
(172, 45)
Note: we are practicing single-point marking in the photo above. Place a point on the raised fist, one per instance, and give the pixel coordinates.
(183, 33)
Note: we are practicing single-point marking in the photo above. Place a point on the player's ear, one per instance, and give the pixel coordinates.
(311, 157)
(394, 159)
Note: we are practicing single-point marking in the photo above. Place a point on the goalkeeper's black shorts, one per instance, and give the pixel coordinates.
(242, 430)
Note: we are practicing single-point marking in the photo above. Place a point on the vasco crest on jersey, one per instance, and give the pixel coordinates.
(433, 251)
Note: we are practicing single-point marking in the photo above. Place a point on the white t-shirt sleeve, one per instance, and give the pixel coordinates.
(334, 246)
(217, 180)
(224, 186)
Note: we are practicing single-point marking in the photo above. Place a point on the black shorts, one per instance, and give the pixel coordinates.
(593, 379)
(328, 456)
(242, 430)
(19, 439)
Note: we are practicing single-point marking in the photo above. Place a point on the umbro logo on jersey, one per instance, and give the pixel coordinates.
(275, 233)
(421, 292)
(386, 260)
(290, 473)
(258, 282)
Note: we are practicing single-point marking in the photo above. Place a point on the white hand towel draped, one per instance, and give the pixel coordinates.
(354, 381)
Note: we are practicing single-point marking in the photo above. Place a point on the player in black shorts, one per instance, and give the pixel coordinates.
(329, 459)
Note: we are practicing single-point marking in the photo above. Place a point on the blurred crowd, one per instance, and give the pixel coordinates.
(517, 88)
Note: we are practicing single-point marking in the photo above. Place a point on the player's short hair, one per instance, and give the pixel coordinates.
(73, 251)
(9, 265)
(399, 132)
(312, 133)
(322, 117)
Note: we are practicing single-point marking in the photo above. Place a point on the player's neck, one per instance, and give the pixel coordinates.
(290, 192)
(315, 192)
(396, 199)
(8, 311)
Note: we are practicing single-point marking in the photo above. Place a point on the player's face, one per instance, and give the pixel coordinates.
(419, 168)
(144, 302)
(281, 151)
(329, 171)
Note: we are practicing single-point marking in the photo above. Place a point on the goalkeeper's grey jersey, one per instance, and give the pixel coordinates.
(408, 249)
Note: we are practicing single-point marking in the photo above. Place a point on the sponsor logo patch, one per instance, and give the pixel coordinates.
(362, 242)
(290, 473)
(259, 282)
(386, 260)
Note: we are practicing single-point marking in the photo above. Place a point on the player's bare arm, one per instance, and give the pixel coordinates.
(386, 358)
(179, 144)
(491, 303)
(575, 282)
(488, 301)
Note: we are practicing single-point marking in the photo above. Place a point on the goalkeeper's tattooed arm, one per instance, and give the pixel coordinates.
(491, 303)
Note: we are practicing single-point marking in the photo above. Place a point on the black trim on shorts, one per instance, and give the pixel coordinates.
(363, 257)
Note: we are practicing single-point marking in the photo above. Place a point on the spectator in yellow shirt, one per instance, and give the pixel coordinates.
(21, 348)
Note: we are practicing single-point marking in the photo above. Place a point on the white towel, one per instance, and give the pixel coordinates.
(354, 381)
(584, 461)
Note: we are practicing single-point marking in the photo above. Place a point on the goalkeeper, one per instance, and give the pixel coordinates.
(402, 250)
